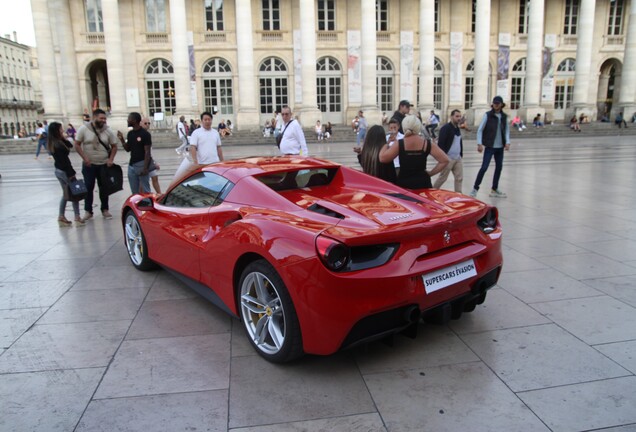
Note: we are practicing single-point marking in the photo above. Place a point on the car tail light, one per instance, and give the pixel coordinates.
(334, 255)
(488, 223)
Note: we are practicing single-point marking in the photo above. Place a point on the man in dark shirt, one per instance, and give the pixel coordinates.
(403, 109)
(138, 143)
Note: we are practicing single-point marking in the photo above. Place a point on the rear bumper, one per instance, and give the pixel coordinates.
(341, 310)
(396, 320)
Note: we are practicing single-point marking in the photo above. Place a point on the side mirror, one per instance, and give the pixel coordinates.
(146, 204)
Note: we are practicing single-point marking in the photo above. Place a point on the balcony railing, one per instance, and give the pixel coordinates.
(327, 36)
(94, 38)
(383, 36)
(215, 36)
(569, 39)
(614, 39)
(156, 37)
(271, 35)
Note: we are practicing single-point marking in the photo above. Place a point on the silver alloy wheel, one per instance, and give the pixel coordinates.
(134, 240)
(263, 313)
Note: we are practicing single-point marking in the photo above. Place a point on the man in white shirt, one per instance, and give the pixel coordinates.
(182, 131)
(205, 147)
(293, 141)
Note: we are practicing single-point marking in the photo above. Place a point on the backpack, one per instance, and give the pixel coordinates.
(437, 117)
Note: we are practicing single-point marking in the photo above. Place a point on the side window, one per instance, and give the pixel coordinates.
(204, 189)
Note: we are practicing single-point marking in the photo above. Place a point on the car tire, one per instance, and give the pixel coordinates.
(136, 243)
(268, 314)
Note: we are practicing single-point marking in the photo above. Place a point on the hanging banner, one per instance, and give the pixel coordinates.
(406, 65)
(547, 83)
(354, 67)
(193, 75)
(456, 67)
(298, 68)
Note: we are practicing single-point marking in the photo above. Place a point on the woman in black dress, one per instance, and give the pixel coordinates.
(413, 151)
(369, 155)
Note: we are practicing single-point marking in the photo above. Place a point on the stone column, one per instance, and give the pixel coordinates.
(309, 112)
(180, 59)
(584, 44)
(368, 57)
(71, 99)
(481, 104)
(427, 57)
(627, 96)
(534, 62)
(114, 64)
(247, 117)
(46, 60)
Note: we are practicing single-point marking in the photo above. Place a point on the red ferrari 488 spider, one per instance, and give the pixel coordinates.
(313, 256)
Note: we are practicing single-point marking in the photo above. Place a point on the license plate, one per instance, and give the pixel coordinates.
(448, 276)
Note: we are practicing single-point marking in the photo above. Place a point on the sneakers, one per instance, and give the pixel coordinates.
(473, 193)
(496, 193)
(79, 222)
(107, 214)
(87, 216)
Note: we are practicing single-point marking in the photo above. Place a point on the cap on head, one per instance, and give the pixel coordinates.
(405, 103)
(497, 100)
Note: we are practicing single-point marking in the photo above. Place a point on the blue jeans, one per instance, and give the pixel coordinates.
(41, 144)
(362, 133)
(135, 179)
(91, 175)
(64, 182)
(489, 152)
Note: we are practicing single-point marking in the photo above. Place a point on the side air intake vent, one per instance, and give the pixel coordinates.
(325, 211)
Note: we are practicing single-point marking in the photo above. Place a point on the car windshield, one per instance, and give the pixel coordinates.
(304, 178)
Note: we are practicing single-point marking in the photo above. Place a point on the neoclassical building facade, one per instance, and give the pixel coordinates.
(19, 102)
(329, 58)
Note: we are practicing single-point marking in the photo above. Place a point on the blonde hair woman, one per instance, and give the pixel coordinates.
(413, 151)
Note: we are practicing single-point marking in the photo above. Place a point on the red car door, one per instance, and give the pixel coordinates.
(174, 237)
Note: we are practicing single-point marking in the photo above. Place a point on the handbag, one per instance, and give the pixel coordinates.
(77, 190)
(112, 178)
(279, 138)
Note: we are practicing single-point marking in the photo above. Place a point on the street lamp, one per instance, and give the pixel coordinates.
(17, 121)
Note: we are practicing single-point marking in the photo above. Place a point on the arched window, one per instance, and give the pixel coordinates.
(564, 80)
(384, 84)
(469, 88)
(160, 87)
(438, 85)
(329, 85)
(518, 88)
(217, 86)
(272, 77)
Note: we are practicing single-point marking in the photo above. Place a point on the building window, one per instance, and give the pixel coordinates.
(571, 17)
(473, 17)
(217, 86)
(564, 88)
(214, 15)
(271, 15)
(94, 21)
(329, 85)
(326, 15)
(469, 84)
(436, 16)
(518, 87)
(160, 87)
(438, 85)
(523, 16)
(615, 22)
(155, 16)
(381, 15)
(384, 84)
(273, 85)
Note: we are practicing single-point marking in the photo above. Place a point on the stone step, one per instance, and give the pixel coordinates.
(344, 134)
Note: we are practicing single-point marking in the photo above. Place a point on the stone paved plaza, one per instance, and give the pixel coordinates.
(88, 343)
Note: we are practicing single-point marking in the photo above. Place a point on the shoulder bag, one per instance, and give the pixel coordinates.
(77, 190)
(112, 177)
(279, 138)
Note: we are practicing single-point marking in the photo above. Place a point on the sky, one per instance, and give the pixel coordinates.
(16, 16)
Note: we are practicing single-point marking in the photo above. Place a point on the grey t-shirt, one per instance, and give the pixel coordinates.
(94, 151)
